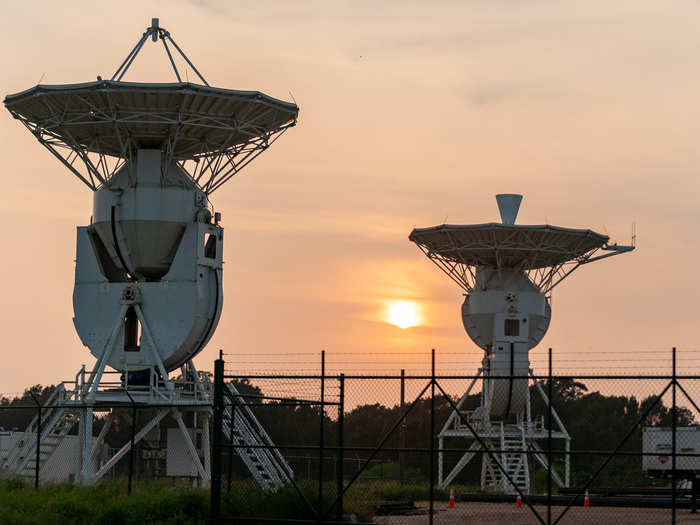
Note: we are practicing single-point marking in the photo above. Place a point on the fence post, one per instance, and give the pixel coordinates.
(673, 443)
(549, 440)
(321, 440)
(232, 422)
(133, 430)
(38, 441)
(341, 444)
(402, 429)
(131, 450)
(432, 435)
(218, 430)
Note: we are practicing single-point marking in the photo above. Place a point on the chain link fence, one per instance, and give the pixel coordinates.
(386, 448)
(417, 449)
(42, 443)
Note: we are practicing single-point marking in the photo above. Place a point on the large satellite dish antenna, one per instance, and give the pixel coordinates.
(148, 276)
(508, 272)
(153, 154)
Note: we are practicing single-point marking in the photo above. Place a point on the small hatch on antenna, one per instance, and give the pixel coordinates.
(511, 328)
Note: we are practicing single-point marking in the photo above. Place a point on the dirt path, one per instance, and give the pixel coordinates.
(469, 513)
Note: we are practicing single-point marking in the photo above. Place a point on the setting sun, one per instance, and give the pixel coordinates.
(403, 314)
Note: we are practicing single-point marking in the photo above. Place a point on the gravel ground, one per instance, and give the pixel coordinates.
(469, 513)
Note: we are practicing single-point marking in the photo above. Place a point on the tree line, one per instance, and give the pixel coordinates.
(597, 424)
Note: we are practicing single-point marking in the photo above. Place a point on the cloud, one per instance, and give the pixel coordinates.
(208, 5)
(488, 96)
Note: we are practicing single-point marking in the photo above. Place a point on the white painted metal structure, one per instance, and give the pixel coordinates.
(508, 272)
(148, 274)
(267, 464)
(60, 457)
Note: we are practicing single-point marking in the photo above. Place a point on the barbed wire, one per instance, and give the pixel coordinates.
(600, 362)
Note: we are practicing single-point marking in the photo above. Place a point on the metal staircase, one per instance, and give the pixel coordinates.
(253, 445)
(513, 458)
(56, 422)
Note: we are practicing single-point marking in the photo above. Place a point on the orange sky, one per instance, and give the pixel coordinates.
(411, 113)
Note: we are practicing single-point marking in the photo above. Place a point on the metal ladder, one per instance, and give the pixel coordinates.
(514, 460)
(253, 445)
(56, 422)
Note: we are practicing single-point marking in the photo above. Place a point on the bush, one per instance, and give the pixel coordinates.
(164, 503)
(541, 479)
(390, 471)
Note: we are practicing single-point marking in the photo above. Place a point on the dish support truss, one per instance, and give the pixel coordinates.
(463, 271)
(513, 443)
(209, 169)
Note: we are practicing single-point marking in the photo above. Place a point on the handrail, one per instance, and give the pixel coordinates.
(249, 417)
(28, 439)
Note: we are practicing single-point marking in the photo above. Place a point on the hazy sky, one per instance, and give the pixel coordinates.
(411, 114)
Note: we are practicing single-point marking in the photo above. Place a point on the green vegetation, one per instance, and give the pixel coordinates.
(168, 502)
(541, 479)
(157, 503)
(390, 470)
(393, 491)
(247, 499)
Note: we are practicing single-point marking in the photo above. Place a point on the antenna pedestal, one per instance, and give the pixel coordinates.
(185, 398)
(515, 442)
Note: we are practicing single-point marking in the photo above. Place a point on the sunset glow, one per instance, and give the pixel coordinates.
(403, 314)
(572, 103)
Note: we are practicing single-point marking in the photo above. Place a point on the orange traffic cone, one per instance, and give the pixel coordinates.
(586, 500)
(452, 499)
(519, 502)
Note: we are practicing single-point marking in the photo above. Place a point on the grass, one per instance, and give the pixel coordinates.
(157, 503)
(246, 499)
(169, 502)
(172, 502)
